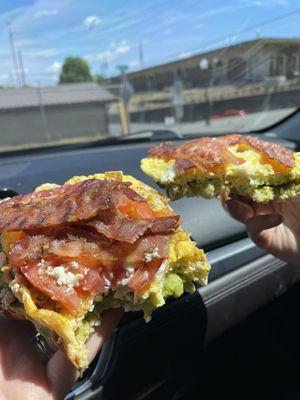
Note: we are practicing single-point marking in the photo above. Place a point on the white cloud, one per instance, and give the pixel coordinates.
(114, 51)
(184, 54)
(92, 21)
(269, 3)
(50, 12)
(133, 63)
(42, 53)
(54, 67)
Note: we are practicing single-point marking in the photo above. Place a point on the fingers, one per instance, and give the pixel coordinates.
(257, 227)
(61, 374)
(239, 210)
(109, 321)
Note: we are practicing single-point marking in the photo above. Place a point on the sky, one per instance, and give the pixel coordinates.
(136, 33)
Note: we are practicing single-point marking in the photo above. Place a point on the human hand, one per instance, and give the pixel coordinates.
(272, 226)
(25, 375)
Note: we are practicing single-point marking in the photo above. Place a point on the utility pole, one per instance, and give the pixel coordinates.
(125, 92)
(14, 54)
(141, 54)
(42, 112)
(21, 66)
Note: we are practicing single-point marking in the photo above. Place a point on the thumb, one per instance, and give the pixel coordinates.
(257, 227)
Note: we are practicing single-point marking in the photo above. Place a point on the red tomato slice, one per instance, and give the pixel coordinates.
(39, 278)
(92, 283)
(143, 276)
(136, 209)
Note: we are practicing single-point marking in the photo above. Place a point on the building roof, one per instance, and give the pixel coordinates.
(211, 53)
(78, 93)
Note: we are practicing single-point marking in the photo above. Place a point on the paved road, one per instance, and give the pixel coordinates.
(251, 122)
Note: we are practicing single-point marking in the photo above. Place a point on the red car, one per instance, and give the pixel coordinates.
(230, 113)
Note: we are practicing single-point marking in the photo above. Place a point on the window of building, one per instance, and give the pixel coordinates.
(273, 68)
(281, 65)
(295, 63)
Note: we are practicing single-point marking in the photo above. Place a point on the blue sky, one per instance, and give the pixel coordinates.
(108, 33)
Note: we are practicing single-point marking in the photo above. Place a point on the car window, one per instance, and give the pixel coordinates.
(76, 72)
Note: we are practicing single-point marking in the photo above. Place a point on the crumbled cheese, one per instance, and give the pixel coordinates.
(91, 307)
(74, 264)
(129, 271)
(14, 287)
(107, 283)
(41, 263)
(69, 279)
(170, 174)
(148, 257)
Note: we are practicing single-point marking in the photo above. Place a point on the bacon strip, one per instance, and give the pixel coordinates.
(125, 229)
(211, 154)
(62, 205)
(207, 154)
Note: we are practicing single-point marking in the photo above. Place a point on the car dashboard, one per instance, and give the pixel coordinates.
(141, 360)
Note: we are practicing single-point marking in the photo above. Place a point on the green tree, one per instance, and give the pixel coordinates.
(99, 79)
(75, 69)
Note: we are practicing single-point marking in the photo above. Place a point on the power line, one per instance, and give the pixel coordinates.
(222, 38)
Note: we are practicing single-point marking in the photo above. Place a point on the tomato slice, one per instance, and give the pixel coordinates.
(136, 209)
(47, 284)
(143, 276)
(141, 210)
(92, 283)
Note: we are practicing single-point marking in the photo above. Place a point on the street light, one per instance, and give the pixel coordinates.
(204, 65)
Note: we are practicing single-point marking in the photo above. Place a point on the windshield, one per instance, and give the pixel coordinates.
(78, 71)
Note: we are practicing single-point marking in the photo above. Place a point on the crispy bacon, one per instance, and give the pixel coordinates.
(211, 154)
(126, 229)
(64, 204)
(182, 164)
(280, 157)
(207, 154)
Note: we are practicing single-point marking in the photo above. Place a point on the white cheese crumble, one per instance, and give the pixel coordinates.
(107, 283)
(14, 287)
(148, 257)
(129, 271)
(74, 264)
(169, 174)
(41, 263)
(64, 278)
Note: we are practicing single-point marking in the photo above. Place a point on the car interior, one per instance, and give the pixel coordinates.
(237, 337)
(238, 329)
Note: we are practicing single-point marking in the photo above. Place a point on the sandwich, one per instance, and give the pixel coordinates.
(224, 166)
(95, 243)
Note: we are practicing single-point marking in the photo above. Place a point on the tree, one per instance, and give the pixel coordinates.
(99, 79)
(75, 69)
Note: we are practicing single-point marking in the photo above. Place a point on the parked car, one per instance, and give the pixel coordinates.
(230, 113)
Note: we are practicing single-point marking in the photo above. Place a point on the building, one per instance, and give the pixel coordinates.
(250, 61)
(51, 114)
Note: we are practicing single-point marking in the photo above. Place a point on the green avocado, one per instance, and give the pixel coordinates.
(173, 286)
